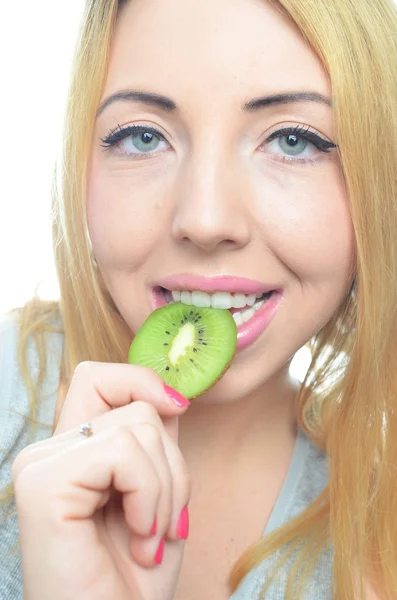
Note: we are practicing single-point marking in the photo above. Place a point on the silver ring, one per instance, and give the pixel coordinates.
(86, 429)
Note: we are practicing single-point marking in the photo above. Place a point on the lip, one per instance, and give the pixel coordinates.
(222, 283)
(248, 332)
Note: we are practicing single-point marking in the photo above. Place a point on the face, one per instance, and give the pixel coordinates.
(213, 191)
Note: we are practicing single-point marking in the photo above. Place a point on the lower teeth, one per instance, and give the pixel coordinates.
(242, 317)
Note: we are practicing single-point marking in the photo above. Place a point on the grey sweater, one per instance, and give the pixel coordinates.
(307, 474)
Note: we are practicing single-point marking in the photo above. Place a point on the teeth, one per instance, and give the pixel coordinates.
(201, 299)
(238, 318)
(239, 301)
(222, 300)
(248, 314)
(250, 303)
(186, 298)
(251, 299)
(216, 300)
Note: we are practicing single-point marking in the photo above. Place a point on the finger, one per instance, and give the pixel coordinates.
(129, 415)
(181, 490)
(171, 514)
(97, 388)
(175, 481)
(53, 445)
(137, 412)
(151, 439)
(166, 457)
(75, 482)
(36, 452)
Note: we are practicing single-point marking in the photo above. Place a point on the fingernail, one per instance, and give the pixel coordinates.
(183, 524)
(154, 526)
(160, 551)
(176, 396)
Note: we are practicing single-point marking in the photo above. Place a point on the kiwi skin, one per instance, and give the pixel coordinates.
(217, 349)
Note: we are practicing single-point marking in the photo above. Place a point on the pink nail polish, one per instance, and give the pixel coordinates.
(154, 526)
(183, 524)
(176, 396)
(160, 552)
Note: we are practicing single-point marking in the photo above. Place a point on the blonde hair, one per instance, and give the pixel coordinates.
(348, 400)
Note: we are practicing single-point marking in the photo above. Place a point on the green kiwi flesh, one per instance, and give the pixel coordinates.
(189, 347)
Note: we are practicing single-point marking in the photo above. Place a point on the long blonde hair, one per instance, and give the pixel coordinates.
(348, 400)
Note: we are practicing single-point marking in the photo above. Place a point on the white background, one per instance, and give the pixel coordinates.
(36, 43)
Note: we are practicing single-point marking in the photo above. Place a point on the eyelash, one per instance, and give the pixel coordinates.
(324, 146)
(118, 134)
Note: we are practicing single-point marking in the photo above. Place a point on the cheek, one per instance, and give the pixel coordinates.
(123, 217)
(307, 223)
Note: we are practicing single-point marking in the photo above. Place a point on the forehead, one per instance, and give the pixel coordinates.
(196, 49)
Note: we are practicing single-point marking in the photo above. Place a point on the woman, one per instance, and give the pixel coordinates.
(244, 147)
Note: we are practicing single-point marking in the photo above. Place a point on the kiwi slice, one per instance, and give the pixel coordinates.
(190, 348)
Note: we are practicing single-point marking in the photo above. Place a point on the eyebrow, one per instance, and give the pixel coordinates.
(168, 105)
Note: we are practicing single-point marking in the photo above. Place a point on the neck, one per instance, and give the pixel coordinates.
(228, 433)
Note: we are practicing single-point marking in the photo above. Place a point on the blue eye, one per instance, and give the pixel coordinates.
(146, 142)
(296, 143)
(138, 140)
(292, 144)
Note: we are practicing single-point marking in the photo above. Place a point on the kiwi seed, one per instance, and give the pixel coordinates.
(212, 342)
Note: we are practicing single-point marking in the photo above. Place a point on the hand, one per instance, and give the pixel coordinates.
(86, 506)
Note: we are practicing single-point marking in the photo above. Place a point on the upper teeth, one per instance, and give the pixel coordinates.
(216, 300)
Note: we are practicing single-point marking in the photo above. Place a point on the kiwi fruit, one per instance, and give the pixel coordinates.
(189, 347)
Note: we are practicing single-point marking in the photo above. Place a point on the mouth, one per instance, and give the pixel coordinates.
(252, 313)
(242, 307)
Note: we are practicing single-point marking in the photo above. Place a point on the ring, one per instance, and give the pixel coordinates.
(86, 429)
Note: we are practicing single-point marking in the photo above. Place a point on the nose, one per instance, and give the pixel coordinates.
(211, 212)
